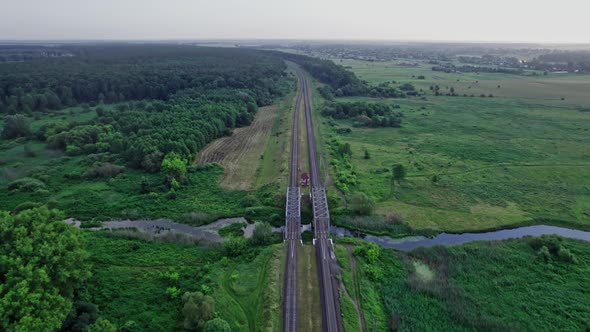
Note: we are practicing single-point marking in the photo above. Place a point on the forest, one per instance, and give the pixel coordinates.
(364, 114)
(116, 73)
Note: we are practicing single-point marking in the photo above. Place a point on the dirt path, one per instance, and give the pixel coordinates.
(239, 154)
(250, 311)
(357, 291)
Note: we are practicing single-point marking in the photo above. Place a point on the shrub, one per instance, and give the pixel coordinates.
(262, 234)
(173, 292)
(361, 204)
(249, 201)
(217, 325)
(25, 206)
(103, 170)
(235, 247)
(29, 151)
(16, 126)
(26, 185)
(232, 230)
(394, 218)
(90, 224)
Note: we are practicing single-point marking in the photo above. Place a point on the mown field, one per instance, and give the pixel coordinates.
(130, 278)
(477, 163)
(498, 286)
(256, 154)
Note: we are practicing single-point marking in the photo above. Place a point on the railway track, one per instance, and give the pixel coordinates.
(331, 318)
(292, 228)
(326, 261)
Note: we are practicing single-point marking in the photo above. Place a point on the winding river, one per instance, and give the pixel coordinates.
(210, 232)
(413, 242)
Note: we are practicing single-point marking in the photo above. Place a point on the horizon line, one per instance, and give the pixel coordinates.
(257, 39)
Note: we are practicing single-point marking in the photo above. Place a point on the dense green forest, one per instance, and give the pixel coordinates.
(114, 73)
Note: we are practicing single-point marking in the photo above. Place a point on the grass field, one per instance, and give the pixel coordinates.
(481, 286)
(478, 163)
(129, 283)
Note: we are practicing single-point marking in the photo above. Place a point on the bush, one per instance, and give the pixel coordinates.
(217, 325)
(26, 185)
(361, 204)
(235, 247)
(82, 315)
(173, 292)
(90, 224)
(29, 151)
(103, 170)
(232, 230)
(249, 201)
(25, 206)
(16, 126)
(262, 234)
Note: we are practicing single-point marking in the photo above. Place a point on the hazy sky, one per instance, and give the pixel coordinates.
(474, 20)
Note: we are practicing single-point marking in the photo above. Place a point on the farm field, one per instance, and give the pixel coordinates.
(473, 287)
(477, 163)
(240, 154)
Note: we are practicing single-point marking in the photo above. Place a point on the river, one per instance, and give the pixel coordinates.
(413, 242)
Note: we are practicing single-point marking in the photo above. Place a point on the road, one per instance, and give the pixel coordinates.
(331, 318)
(292, 229)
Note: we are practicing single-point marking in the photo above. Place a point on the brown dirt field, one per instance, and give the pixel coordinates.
(240, 153)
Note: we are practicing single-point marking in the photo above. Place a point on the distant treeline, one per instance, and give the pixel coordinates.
(450, 68)
(115, 73)
(564, 60)
(339, 81)
(364, 114)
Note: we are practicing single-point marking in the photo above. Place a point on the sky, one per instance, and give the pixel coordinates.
(538, 21)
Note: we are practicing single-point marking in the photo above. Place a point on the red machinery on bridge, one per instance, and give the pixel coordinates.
(305, 179)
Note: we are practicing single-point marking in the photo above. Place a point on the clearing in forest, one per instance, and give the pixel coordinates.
(239, 154)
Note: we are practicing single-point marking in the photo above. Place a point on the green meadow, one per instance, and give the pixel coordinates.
(492, 286)
(131, 277)
(477, 163)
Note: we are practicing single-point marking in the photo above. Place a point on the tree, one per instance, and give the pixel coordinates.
(217, 325)
(361, 204)
(197, 310)
(16, 126)
(344, 149)
(398, 173)
(367, 155)
(262, 234)
(173, 167)
(102, 325)
(42, 261)
(83, 314)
